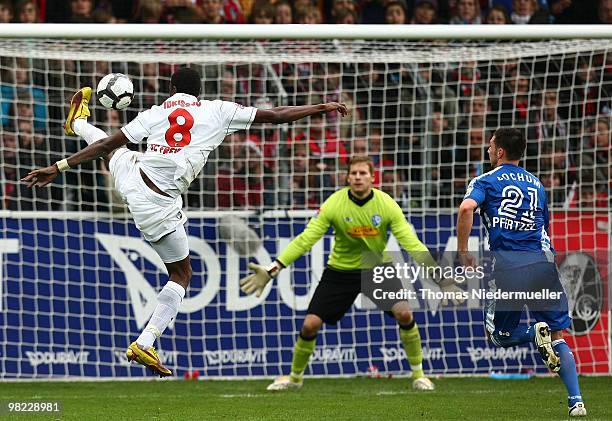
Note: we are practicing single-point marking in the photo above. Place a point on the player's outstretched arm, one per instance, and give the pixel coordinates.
(405, 235)
(316, 228)
(43, 176)
(465, 220)
(257, 281)
(288, 114)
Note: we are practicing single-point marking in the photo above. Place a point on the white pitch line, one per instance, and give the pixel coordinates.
(390, 392)
(243, 395)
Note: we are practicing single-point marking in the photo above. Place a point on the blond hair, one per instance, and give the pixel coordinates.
(358, 159)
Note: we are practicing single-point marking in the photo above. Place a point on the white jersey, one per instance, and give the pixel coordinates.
(180, 134)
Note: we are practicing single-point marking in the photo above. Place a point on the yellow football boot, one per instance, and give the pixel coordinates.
(148, 358)
(78, 108)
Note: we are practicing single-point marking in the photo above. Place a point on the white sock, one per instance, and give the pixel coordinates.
(88, 132)
(168, 302)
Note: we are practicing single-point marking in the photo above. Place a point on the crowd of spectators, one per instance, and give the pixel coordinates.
(309, 11)
(425, 125)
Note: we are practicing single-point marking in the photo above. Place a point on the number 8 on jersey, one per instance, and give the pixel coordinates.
(178, 134)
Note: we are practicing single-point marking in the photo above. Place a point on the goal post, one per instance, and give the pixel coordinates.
(78, 283)
(309, 32)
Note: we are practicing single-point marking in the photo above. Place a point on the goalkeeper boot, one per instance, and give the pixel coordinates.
(544, 344)
(78, 108)
(423, 383)
(578, 410)
(285, 383)
(148, 358)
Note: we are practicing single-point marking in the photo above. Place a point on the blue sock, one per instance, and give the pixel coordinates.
(521, 335)
(529, 335)
(568, 372)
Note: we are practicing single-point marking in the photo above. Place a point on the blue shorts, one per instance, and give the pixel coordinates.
(503, 316)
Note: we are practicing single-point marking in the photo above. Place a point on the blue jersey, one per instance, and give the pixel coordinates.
(514, 210)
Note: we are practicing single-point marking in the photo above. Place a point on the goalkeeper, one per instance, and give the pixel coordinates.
(360, 216)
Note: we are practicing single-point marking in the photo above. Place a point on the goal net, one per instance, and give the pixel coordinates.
(78, 283)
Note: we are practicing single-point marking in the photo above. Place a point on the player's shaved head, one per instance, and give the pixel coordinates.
(512, 141)
(187, 80)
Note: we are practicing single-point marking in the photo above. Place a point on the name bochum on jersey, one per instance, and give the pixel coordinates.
(514, 209)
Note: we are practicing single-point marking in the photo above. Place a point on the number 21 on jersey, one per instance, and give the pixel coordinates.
(513, 199)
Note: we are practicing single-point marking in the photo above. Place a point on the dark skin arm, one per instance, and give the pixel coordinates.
(101, 148)
(280, 115)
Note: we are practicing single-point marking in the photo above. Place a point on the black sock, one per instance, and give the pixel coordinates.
(312, 338)
(408, 326)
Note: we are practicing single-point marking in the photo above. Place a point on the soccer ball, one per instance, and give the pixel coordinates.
(115, 91)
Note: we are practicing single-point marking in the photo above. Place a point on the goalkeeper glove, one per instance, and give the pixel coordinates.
(450, 288)
(256, 282)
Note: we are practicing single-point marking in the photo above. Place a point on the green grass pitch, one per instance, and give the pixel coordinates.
(319, 399)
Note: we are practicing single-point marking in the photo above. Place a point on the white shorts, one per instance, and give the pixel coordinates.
(154, 214)
(173, 247)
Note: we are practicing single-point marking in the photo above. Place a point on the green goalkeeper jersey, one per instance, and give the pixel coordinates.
(360, 232)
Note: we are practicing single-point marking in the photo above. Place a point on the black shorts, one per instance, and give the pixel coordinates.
(335, 294)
